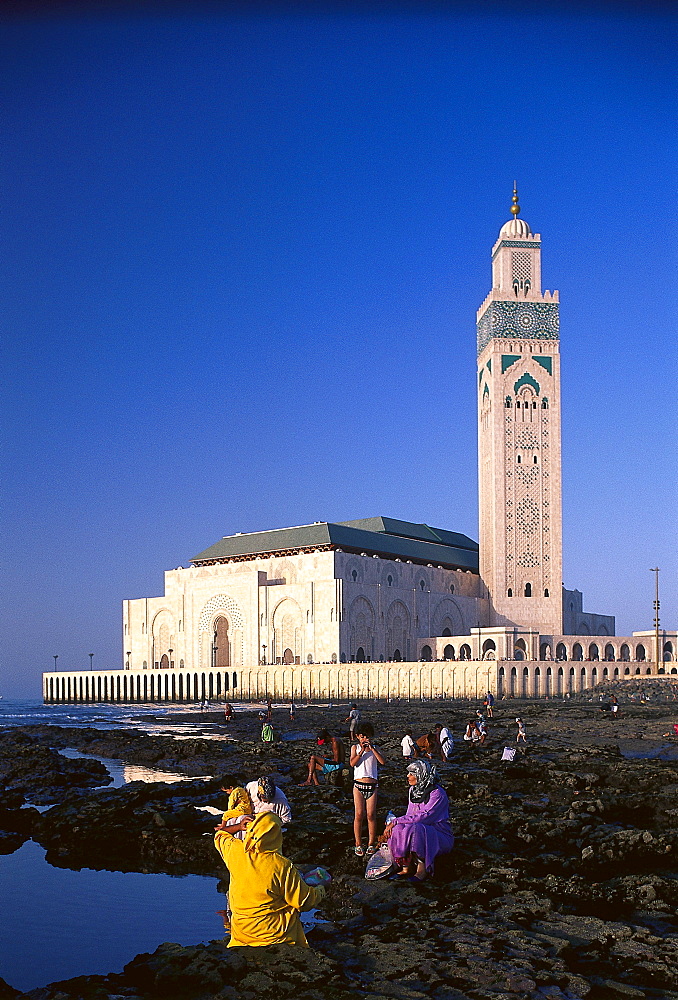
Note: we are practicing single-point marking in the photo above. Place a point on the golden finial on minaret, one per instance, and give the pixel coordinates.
(515, 207)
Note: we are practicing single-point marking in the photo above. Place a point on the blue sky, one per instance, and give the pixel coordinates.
(241, 255)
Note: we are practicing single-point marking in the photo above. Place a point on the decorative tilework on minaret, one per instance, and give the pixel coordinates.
(519, 436)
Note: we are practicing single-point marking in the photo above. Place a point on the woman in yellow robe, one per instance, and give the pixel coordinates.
(266, 892)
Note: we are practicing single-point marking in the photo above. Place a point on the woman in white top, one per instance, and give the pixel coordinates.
(364, 760)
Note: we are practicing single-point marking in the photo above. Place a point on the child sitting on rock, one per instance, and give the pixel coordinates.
(239, 802)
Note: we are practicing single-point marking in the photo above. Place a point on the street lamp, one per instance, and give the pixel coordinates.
(129, 653)
(91, 657)
(56, 657)
(263, 659)
(170, 657)
(656, 613)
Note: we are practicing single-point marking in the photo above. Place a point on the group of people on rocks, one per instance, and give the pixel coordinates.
(266, 892)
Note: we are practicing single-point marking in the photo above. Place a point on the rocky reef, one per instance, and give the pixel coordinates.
(563, 882)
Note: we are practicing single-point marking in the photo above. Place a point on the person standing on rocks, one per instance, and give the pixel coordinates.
(445, 742)
(322, 764)
(521, 735)
(489, 704)
(354, 718)
(364, 760)
(408, 744)
(228, 712)
(266, 893)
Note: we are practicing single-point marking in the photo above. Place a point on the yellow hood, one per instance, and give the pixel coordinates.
(264, 834)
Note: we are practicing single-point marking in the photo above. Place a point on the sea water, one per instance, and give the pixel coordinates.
(56, 923)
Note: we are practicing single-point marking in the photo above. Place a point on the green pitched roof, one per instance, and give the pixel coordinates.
(381, 536)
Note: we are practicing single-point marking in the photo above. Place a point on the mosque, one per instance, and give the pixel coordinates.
(385, 608)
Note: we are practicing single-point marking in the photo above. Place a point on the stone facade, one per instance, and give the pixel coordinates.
(309, 607)
(519, 460)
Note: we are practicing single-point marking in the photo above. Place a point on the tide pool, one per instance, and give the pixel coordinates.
(56, 923)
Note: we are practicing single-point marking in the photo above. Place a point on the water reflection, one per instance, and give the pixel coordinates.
(122, 774)
(58, 923)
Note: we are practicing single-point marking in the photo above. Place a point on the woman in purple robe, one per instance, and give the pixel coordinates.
(416, 838)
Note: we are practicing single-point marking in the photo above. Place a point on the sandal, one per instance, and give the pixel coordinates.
(359, 851)
(372, 849)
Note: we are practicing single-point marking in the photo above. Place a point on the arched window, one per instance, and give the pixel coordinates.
(593, 652)
(354, 575)
(640, 652)
(561, 651)
(389, 580)
(451, 588)
(519, 459)
(624, 652)
(546, 592)
(609, 651)
(577, 651)
(422, 585)
(534, 459)
(528, 590)
(509, 592)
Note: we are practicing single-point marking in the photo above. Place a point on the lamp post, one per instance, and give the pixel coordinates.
(656, 614)
(170, 658)
(129, 653)
(91, 657)
(56, 657)
(263, 659)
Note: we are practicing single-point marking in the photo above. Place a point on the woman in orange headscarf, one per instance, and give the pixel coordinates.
(266, 893)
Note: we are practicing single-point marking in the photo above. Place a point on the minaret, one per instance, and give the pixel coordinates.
(519, 436)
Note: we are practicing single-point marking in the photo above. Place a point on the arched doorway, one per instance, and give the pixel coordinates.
(426, 653)
(465, 652)
(446, 632)
(640, 652)
(360, 655)
(609, 652)
(288, 656)
(625, 652)
(593, 652)
(448, 652)
(577, 652)
(221, 650)
(489, 646)
(561, 651)
(397, 655)
(164, 662)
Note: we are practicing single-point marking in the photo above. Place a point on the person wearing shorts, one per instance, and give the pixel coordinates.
(364, 760)
(325, 764)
